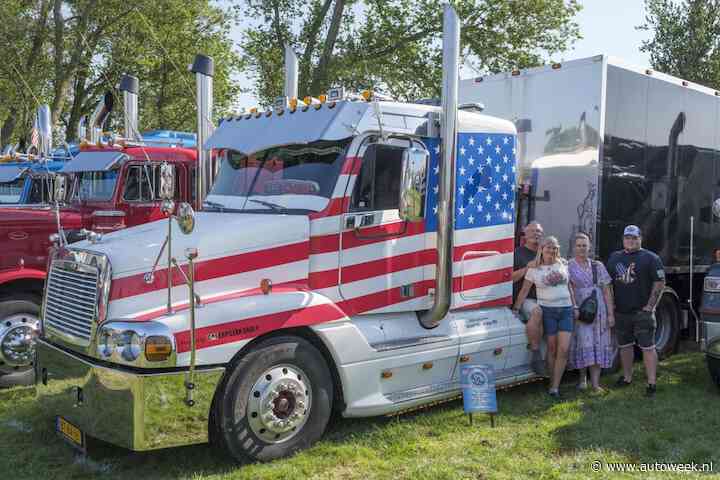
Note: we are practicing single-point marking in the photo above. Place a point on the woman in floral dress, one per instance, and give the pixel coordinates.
(592, 346)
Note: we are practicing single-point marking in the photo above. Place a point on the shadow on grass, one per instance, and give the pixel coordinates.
(680, 424)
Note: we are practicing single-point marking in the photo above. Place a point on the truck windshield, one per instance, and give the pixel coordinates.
(10, 192)
(95, 186)
(296, 177)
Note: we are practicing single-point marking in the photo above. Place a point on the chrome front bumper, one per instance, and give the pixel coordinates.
(138, 411)
(712, 333)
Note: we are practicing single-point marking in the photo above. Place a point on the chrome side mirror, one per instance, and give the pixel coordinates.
(59, 189)
(185, 218)
(412, 184)
(167, 182)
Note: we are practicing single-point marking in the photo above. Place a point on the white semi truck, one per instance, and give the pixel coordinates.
(352, 254)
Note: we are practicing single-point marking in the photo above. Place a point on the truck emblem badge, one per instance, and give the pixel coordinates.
(17, 236)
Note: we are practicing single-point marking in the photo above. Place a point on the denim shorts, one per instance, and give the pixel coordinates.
(557, 319)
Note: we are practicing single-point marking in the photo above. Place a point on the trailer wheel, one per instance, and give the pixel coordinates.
(19, 321)
(714, 369)
(276, 401)
(667, 333)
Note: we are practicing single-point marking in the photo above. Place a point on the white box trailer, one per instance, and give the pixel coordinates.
(603, 144)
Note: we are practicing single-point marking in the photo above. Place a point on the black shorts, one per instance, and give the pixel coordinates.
(638, 327)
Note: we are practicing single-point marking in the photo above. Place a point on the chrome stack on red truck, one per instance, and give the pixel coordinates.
(352, 254)
(111, 184)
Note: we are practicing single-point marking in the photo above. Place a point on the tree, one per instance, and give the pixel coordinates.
(75, 50)
(395, 44)
(686, 39)
(24, 65)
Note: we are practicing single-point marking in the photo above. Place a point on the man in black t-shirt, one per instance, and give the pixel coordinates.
(638, 281)
(530, 312)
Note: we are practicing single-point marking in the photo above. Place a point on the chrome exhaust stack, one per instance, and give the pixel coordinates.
(98, 117)
(204, 68)
(130, 86)
(82, 128)
(448, 133)
(44, 126)
(291, 73)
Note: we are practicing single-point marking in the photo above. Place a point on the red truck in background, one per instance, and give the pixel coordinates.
(111, 186)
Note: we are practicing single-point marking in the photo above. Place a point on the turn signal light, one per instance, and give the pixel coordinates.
(157, 349)
(367, 95)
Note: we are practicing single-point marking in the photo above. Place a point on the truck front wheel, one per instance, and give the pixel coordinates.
(276, 401)
(19, 318)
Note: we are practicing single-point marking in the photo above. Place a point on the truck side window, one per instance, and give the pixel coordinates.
(138, 187)
(378, 184)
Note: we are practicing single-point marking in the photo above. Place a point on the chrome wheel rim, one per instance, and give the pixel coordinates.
(279, 403)
(17, 341)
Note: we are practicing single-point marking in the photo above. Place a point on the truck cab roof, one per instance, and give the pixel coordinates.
(251, 133)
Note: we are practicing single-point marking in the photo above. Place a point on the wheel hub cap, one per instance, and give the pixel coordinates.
(279, 403)
(17, 341)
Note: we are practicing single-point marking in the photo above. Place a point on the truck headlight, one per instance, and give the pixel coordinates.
(106, 343)
(712, 284)
(714, 348)
(140, 344)
(128, 344)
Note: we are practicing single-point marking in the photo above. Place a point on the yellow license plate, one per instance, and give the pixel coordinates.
(70, 432)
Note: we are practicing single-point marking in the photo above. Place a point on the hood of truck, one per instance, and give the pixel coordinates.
(216, 236)
(33, 217)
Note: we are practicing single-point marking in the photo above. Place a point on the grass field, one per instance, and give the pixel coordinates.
(534, 438)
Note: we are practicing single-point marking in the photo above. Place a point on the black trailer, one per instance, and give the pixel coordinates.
(603, 145)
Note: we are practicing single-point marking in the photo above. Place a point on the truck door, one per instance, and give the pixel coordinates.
(141, 193)
(381, 256)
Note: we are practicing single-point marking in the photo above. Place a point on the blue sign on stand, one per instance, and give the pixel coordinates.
(478, 388)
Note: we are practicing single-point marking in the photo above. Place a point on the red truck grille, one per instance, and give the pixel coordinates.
(71, 301)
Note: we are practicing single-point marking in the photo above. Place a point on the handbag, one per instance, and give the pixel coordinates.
(589, 307)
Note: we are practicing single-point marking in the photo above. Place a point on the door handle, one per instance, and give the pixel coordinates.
(367, 220)
(360, 220)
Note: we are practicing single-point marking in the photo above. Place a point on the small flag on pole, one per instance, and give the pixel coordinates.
(35, 135)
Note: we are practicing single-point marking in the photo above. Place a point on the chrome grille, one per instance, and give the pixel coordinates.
(71, 300)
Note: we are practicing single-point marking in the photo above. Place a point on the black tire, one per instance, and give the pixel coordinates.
(231, 414)
(667, 316)
(18, 304)
(714, 369)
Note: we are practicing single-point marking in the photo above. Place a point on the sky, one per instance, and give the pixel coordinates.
(607, 26)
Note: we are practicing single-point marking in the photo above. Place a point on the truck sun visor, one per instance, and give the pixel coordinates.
(250, 135)
(10, 173)
(93, 162)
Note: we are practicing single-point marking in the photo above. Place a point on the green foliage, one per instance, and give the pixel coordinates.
(686, 39)
(82, 47)
(395, 45)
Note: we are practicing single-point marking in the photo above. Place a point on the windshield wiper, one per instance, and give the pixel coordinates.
(217, 205)
(274, 206)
